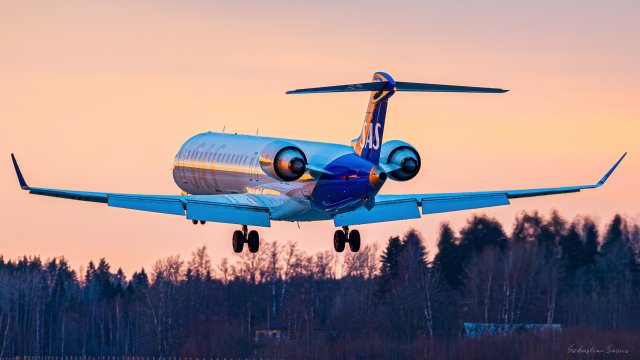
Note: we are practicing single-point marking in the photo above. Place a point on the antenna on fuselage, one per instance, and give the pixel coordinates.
(223, 128)
(257, 131)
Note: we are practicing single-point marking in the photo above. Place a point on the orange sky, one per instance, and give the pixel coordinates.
(101, 96)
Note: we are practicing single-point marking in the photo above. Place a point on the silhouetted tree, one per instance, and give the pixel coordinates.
(394, 305)
(449, 261)
(482, 232)
(389, 264)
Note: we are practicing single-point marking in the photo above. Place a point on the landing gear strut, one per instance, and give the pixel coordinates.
(341, 237)
(240, 237)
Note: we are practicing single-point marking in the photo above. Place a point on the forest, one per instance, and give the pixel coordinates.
(396, 301)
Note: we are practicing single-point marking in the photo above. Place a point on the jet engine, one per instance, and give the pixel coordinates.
(283, 161)
(400, 159)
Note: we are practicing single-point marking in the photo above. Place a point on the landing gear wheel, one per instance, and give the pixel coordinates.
(354, 240)
(339, 240)
(237, 241)
(253, 240)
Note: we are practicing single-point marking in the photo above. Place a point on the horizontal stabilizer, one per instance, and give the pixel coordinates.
(372, 86)
(400, 86)
(409, 86)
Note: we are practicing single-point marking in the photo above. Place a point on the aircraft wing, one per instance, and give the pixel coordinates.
(401, 207)
(242, 209)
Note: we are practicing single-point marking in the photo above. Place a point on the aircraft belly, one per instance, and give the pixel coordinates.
(308, 214)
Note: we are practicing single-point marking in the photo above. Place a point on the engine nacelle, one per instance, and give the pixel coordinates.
(283, 161)
(402, 157)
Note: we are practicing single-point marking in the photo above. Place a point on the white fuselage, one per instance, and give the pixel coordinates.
(216, 163)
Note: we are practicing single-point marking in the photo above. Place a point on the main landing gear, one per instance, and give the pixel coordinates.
(341, 237)
(244, 236)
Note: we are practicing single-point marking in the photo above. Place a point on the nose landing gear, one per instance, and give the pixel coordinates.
(240, 237)
(344, 236)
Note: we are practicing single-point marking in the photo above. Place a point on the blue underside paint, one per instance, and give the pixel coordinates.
(346, 187)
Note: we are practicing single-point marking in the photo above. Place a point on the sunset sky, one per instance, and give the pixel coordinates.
(99, 96)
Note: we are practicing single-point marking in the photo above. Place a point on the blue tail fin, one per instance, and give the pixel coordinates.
(368, 144)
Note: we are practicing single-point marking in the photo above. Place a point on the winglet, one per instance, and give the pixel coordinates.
(23, 184)
(606, 176)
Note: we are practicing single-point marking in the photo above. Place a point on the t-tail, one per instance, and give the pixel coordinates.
(382, 87)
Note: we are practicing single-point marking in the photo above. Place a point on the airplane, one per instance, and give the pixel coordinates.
(253, 180)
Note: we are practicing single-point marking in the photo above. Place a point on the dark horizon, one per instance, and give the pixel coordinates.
(549, 270)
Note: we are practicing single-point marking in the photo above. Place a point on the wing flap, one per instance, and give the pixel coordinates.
(455, 203)
(387, 211)
(148, 203)
(230, 214)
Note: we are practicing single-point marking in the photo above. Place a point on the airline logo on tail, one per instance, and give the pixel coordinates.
(368, 144)
(372, 140)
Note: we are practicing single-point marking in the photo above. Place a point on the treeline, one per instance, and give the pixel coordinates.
(389, 303)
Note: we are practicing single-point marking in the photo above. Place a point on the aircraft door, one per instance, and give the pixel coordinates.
(253, 167)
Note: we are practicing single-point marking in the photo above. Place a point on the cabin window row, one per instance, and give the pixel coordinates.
(219, 157)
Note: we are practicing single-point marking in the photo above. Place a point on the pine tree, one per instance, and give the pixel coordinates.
(480, 232)
(571, 246)
(590, 242)
(389, 264)
(448, 262)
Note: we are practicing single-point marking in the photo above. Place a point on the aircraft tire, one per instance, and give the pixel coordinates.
(253, 241)
(354, 240)
(339, 240)
(237, 241)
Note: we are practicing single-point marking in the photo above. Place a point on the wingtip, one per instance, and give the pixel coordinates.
(613, 168)
(23, 183)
